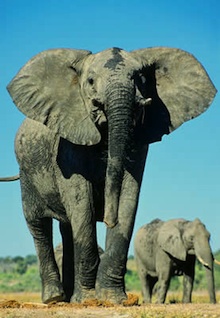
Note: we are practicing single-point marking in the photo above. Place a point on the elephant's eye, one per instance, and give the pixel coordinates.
(73, 69)
(191, 238)
(90, 80)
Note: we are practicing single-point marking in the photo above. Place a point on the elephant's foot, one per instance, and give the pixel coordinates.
(82, 295)
(113, 295)
(110, 280)
(146, 300)
(160, 300)
(53, 292)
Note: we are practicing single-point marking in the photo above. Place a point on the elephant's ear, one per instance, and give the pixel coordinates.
(179, 87)
(46, 89)
(170, 240)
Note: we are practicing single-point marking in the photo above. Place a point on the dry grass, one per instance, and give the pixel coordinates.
(28, 305)
(21, 297)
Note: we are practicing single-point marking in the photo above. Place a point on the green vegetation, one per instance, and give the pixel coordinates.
(21, 274)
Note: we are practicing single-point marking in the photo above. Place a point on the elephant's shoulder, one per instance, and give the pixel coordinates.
(32, 127)
(33, 140)
(33, 131)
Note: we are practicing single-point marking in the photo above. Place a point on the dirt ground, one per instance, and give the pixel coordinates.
(29, 306)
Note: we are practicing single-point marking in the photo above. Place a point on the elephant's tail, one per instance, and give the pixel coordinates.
(7, 179)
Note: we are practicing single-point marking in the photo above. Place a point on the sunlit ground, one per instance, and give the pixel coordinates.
(172, 297)
(200, 308)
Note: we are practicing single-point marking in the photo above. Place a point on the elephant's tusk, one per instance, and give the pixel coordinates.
(148, 101)
(143, 101)
(216, 261)
(203, 262)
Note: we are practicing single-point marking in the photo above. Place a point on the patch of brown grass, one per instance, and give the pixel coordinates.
(24, 305)
(21, 297)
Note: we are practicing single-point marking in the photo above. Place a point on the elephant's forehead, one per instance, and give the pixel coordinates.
(111, 58)
(112, 53)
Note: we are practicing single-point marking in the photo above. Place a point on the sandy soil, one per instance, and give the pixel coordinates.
(21, 306)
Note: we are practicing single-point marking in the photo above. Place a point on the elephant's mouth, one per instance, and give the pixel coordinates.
(98, 113)
(98, 110)
(97, 103)
(191, 251)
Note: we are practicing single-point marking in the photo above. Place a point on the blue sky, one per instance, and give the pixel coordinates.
(182, 174)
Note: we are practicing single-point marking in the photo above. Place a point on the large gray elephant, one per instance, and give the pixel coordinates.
(165, 249)
(82, 151)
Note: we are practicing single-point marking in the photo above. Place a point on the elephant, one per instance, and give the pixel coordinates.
(82, 148)
(164, 249)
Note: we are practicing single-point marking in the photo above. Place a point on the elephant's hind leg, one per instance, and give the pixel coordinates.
(145, 279)
(147, 288)
(41, 230)
(52, 289)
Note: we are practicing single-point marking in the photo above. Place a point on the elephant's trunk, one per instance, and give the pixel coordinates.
(204, 255)
(120, 100)
(211, 284)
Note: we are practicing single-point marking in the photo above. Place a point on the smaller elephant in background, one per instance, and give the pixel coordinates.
(166, 249)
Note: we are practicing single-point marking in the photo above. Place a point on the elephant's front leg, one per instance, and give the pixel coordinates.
(110, 283)
(86, 258)
(163, 285)
(187, 289)
(164, 269)
(52, 290)
(188, 279)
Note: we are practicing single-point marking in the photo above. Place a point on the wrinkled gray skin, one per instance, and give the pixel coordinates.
(66, 269)
(82, 151)
(165, 249)
(58, 252)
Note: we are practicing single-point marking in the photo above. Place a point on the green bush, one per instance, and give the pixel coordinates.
(132, 281)
(175, 283)
(20, 274)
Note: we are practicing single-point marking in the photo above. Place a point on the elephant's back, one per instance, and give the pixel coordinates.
(145, 236)
(145, 243)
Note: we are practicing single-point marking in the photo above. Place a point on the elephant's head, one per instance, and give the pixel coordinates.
(180, 238)
(144, 93)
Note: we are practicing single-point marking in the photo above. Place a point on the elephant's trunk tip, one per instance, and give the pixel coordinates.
(110, 222)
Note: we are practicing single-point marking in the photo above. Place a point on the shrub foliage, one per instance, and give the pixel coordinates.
(21, 274)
